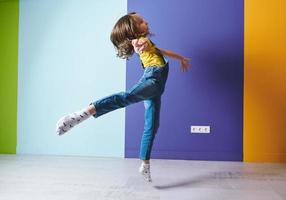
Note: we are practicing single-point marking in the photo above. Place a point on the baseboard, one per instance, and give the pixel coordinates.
(265, 157)
(179, 155)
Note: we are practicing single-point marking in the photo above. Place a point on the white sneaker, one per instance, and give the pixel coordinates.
(145, 171)
(69, 121)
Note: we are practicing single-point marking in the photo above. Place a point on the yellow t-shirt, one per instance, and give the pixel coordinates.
(151, 56)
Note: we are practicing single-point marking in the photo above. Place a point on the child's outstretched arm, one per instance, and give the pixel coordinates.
(184, 61)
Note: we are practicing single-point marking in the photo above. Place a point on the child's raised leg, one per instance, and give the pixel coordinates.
(69, 121)
(142, 90)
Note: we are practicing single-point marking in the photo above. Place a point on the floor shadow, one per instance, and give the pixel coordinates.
(183, 183)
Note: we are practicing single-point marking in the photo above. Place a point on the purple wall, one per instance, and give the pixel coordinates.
(211, 93)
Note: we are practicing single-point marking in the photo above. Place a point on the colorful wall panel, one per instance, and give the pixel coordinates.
(66, 60)
(211, 93)
(8, 75)
(264, 85)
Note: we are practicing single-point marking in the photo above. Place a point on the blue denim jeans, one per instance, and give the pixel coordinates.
(148, 89)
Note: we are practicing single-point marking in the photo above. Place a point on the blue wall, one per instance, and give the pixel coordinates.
(66, 60)
(211, 93)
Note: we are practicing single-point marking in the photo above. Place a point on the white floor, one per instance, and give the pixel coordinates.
(90, 178)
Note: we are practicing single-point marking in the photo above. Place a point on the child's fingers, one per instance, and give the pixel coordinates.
(185, 66)
(142, 43)
(141, 48)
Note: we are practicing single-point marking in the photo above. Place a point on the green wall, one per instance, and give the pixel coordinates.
(9, 20)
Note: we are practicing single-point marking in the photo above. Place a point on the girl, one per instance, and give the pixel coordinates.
(129, 35)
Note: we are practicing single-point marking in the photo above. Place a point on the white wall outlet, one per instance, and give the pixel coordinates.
(200, 129)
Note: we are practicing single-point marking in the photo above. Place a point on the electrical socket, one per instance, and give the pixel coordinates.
(200, 129)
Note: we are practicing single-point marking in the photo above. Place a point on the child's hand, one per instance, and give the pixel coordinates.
(185, 64)
(139, 45)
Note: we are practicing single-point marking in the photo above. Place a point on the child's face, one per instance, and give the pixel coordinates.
(141, 24)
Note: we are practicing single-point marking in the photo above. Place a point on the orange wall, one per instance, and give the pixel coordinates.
(265, 81)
